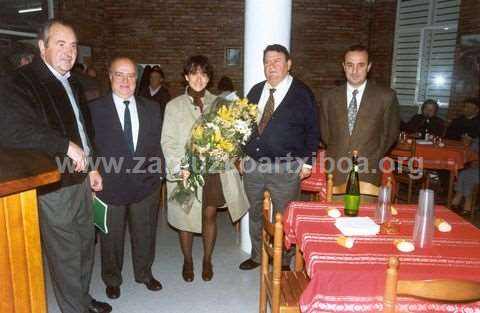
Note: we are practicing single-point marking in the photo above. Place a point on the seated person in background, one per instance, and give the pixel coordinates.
(468, 124)
(427, 121)
(467, 183)
(225, 87)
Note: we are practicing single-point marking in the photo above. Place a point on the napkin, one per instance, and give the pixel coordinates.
(357, 226)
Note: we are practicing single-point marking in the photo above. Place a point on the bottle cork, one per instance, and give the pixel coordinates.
(346, 242)
(404, 245)
(333, 212)
(442, 225)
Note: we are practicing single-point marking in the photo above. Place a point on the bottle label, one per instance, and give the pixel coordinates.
(352, 203)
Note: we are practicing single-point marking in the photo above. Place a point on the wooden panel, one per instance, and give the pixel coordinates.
(21, 260)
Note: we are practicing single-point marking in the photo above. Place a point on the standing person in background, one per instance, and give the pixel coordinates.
(128, 128)
(41, 110)
(225, 87)
(427, 121)
(280, 152)
(359, 115)
(219, 189)
(156, 89)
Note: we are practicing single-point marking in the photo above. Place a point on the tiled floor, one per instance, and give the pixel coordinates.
(231, 290)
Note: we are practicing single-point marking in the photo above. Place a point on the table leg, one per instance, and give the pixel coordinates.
(450, 188)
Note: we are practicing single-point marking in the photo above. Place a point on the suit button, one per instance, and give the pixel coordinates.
(258, 149)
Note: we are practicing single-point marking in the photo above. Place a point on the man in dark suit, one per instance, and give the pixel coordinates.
(41, 109)
(359, 115)
(281, 150)
(156, 89)
(127, 130)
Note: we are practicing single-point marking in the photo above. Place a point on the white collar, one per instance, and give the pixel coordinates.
(59, 76)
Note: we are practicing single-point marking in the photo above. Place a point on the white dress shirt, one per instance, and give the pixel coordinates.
(359, 96)
(153, 91)
(280, 91)
(66, 85)
(132, 106)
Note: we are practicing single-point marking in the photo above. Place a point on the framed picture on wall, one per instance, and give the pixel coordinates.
(84, 54)
(233, 56)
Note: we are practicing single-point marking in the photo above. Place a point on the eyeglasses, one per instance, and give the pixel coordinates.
(120, 75)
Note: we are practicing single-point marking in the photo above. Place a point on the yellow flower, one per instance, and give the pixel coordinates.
(197, 132)
(217, 136)
(225, 114)
(226, 145)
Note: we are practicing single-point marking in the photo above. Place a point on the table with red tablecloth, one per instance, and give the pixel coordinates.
(451, 157)
(352, 280)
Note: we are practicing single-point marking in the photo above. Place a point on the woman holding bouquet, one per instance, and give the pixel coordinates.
(181, 113)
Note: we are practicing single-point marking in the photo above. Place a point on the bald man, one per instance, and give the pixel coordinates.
(127, 130)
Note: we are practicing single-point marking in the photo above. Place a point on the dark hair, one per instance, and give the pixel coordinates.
(225, 84)
(428, 102)
(474, 100)
(357, 48)
(158, 70)
(20, 51)
(198, 62)
(277, 48)
(44, 30)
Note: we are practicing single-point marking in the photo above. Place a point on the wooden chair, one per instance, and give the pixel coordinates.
(451, 290)
(402, 173)
(365, 188)
(282, 289)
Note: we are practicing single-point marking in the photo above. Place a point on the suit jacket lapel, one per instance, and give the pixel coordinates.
(366, 107)
(142, 125)
(342, 112)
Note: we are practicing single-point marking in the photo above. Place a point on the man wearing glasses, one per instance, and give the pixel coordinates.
(127, 133)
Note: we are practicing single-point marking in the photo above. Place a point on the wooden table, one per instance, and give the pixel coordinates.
(352, 280)
(451, 157)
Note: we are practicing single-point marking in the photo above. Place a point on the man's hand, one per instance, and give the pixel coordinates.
(78, 156)
(96, 182)
(305, 172)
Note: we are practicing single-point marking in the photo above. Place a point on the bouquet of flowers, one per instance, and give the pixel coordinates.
(215, 142)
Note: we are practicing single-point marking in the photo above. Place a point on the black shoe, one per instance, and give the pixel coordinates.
(248, 265)
(286, 268)
(99, 307)
(153, 285)
(113, 292)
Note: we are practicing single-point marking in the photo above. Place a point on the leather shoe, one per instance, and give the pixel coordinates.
(207, 271)
(187, 272)
(286, 268)
(153, 284)
(99, 307)
(248, 265)
(113, 292)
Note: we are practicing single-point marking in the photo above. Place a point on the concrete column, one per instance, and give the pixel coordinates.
(266, 22)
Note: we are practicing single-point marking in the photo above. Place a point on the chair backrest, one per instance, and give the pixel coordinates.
(451, 290)
(272, 247)
(365, 188)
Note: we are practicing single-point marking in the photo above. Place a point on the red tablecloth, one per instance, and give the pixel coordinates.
(352, 280)
(452, 156)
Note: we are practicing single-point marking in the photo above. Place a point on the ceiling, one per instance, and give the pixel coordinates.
(11, 19)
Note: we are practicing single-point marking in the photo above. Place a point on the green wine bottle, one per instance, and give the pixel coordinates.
(352, 191)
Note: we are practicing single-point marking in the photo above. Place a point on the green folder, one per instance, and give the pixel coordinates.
(100, 210)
